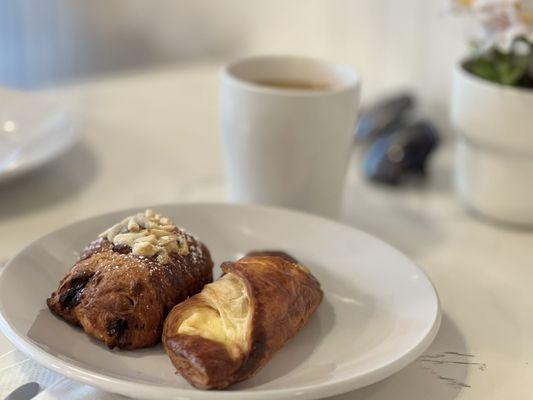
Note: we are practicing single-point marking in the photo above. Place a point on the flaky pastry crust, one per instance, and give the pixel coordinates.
(281, 294)
(122, 299)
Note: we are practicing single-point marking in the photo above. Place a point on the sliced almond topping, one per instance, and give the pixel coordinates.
(150, 239)
(127, 238)
(133, 226)
(149, 234)
(164, 240)
(144, 249)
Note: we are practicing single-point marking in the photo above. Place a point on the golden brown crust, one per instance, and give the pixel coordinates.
(282, 295)
(122, 299)
(273, 253)
(204, 363)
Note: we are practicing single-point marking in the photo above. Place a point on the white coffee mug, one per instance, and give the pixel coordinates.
(288, 125)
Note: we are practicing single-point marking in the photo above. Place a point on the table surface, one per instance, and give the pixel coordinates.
(152, 137)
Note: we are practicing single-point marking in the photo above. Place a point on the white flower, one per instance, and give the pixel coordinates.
(501, 22)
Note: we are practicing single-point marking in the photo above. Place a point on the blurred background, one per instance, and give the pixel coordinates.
(392, 44)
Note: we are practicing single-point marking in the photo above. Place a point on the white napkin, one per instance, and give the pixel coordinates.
(67, 389)
(16, 369)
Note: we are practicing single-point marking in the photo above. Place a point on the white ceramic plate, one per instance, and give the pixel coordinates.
(34, 129)
(380, 311)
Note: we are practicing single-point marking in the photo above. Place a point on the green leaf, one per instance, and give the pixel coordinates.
(499, 67)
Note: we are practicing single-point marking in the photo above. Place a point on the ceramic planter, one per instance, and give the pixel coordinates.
(494, 159)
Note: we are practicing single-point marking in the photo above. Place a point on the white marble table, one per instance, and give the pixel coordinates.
(152, 137)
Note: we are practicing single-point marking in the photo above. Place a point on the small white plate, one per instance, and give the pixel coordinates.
(380, 311)
(34, 129)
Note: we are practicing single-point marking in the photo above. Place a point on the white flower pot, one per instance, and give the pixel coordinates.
(494, 159)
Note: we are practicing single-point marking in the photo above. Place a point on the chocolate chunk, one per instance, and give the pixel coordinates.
(117, 328)
(72, 296)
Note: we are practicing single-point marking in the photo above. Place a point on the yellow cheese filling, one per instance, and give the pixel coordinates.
(205, 322)
(225, 317)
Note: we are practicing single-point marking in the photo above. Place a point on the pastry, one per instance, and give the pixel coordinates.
(127, 280)
(228, 331)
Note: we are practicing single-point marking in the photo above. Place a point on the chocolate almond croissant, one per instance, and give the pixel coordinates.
(227, 332)
(127, 281)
